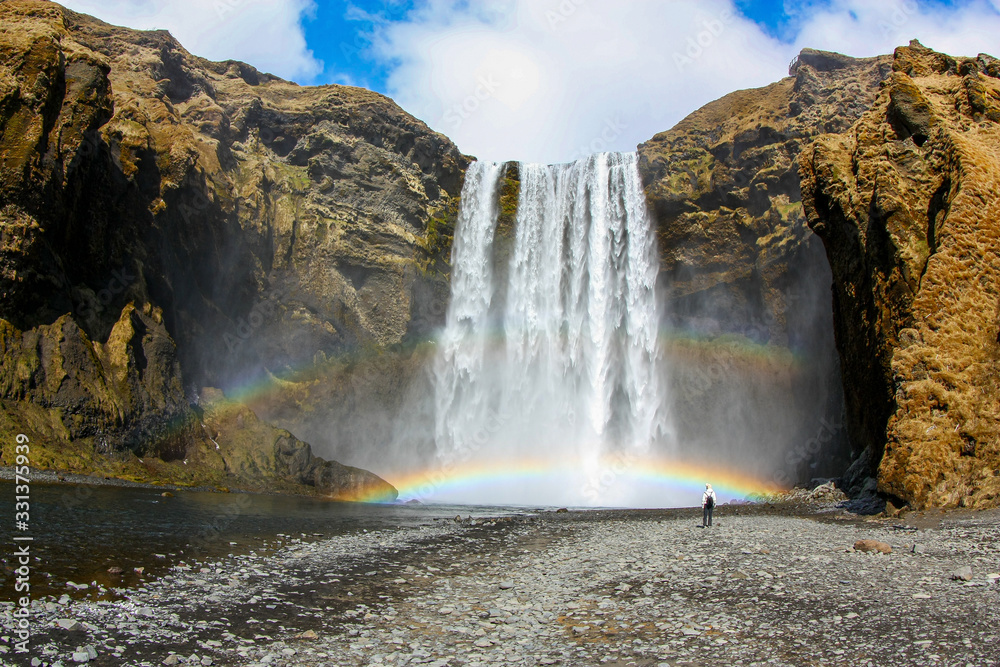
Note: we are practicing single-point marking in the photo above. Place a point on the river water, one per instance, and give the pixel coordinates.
(80, 532)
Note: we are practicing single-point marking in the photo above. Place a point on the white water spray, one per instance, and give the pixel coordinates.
(562, 374)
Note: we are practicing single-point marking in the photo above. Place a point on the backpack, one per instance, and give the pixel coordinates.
(710, 502)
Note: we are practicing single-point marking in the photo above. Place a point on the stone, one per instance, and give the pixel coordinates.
(308, 634)
(81, 656)
(172, 659)
(872, 546)
(69, 624)
(506, 585)
(963, 573)
(919, 549)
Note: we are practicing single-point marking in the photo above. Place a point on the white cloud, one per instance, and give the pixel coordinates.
(547, 80)
(265, 33)
(864, 28)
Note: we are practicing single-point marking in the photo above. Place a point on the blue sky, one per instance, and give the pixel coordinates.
(550, 80)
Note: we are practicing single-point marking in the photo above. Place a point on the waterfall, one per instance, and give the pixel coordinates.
(549, 351)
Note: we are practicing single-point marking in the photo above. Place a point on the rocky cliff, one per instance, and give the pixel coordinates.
(906, 203)
(257, 224)
(747, 288)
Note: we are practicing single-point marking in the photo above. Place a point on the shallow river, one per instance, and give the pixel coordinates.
(81, 532)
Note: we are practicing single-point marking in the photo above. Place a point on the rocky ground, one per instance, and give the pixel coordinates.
(768, 584)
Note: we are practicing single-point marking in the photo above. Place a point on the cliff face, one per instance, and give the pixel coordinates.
(260, 224)
(755, 373)
(267, 220)
(907, 206)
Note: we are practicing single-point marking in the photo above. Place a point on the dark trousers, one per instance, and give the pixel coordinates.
(706, 516)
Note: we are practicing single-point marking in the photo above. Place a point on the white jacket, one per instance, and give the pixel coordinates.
(705, 496)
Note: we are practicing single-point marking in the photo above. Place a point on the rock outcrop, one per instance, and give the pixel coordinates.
(756, 376)
(907, 205)
(118, 409)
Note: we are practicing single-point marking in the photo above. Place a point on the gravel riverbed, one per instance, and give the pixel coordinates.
(765, 585)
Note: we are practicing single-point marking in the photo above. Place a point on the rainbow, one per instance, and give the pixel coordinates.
(665, 479)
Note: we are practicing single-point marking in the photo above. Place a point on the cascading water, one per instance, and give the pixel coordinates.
(547, 374)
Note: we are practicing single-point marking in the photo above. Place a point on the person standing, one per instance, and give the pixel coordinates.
(708, 501)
